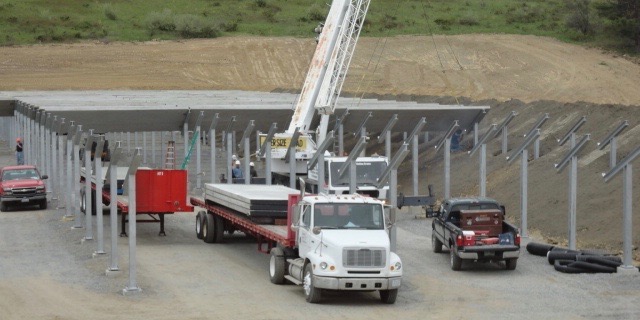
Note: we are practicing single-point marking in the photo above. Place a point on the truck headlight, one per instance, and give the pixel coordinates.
(7, 190)
(397, 266)
(323, 265)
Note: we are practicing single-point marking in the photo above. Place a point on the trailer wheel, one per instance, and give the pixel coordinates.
(276, 266)
(199, 223)
(511, 263)
(208, 228)
(388, 296)
(311, 293)
(456, 262)
(219, 229)
(436, 245)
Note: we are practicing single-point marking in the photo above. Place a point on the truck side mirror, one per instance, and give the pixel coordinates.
(504, 210)
(44, 177)
(296, 217)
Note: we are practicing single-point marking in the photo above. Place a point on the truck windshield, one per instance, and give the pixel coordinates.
(348, 216)
(366, 173)
(20, 174)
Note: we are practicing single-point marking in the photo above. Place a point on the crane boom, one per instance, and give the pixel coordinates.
(329, 64)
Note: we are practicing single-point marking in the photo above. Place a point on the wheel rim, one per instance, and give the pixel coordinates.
(451, 255)
(272, 266)
(198, 225)
(307, 283)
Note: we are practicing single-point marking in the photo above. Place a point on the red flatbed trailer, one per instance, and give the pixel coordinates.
(158, 192)
(266, 234)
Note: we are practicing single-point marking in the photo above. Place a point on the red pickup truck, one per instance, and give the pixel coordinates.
(22, 186)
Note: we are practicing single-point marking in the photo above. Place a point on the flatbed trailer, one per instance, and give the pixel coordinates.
(267, 235)
(158, 192)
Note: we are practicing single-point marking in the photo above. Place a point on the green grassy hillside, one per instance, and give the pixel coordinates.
(41, 21)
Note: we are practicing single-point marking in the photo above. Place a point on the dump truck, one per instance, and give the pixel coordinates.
(320, 242)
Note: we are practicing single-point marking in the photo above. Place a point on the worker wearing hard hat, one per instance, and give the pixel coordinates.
(252, 170)
(236, 172)
(19, 153)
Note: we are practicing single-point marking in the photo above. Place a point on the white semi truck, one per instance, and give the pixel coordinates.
(322, 242)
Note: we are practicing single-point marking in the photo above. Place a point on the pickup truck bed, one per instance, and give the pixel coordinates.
(474, 229)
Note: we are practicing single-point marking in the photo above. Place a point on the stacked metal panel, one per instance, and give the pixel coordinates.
(255, 201)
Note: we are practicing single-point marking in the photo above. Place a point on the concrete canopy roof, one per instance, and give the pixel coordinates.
(130, 111)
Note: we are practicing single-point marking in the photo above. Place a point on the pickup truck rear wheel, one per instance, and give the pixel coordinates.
(276, 266)
(456, 262)
(436, 245)
(199, 223)
(311, 293)
(208, 228)
(511, 263)
(388, 296)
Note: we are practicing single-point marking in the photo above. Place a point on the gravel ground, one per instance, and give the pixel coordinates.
(46, 272)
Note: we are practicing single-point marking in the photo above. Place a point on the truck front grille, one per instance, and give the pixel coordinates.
(364, 257)
(24, 191)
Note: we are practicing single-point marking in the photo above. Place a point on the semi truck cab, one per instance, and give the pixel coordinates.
(342, 244)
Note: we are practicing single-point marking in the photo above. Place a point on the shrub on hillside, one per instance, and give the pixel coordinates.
(109, 12)
(192, 26)
(161, 21)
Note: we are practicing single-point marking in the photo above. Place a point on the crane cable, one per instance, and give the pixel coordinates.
(424, 9)
(386, 38)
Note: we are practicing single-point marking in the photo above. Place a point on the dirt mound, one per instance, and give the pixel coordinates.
(528, 74)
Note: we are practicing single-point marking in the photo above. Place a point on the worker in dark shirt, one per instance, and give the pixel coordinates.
(252, 170)
(19, 153)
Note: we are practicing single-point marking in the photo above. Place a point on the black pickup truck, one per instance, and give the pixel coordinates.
(475, 229)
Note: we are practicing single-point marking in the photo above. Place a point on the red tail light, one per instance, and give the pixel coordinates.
(459, 241)
(517, 240)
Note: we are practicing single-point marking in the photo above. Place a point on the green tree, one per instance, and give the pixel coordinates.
(624, 18)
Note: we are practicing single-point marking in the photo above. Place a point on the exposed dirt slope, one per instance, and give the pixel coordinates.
(543, 74)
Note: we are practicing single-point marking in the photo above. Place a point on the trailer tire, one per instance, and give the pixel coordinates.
(311, 293)
(592, 267)
(219, 229)
(456, 261)
(388, 296)
(552, 256)
(208, 229)
(436, 245)
(511, 263)
(539, 249)
(199, 223)
(276, 266)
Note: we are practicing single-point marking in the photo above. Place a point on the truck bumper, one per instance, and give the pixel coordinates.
(475, 256)
(25, 199)
(359, 284)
